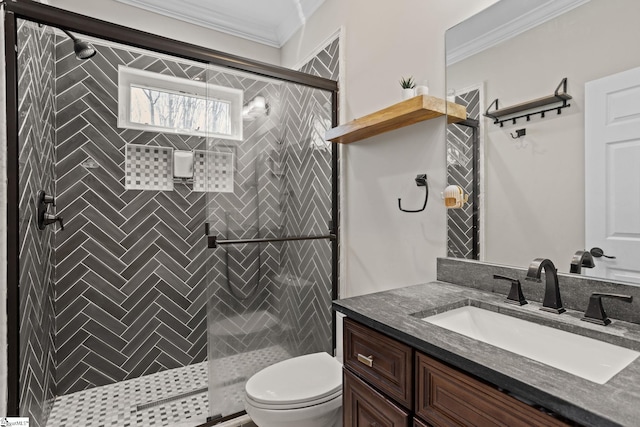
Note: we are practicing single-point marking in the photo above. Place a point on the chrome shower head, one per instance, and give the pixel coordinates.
(83, 50)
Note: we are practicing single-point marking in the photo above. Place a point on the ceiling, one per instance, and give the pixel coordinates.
(270, 22)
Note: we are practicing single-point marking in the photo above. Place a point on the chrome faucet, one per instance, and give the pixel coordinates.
(552, 301)
(581, 259)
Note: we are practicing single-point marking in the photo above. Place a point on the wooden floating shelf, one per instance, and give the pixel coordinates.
(405, 113)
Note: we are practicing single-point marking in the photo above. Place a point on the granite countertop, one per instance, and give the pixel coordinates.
(398, 313)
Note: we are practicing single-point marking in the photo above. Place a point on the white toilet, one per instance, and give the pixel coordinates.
(305, 391)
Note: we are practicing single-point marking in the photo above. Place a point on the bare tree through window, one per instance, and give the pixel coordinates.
(162, 103)
(179, 111)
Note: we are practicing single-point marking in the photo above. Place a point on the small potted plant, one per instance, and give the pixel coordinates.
(408, 87)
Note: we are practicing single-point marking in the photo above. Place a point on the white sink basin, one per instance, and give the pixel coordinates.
(588, 358)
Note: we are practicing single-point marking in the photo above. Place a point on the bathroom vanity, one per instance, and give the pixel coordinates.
(443, 395)
(400, 370)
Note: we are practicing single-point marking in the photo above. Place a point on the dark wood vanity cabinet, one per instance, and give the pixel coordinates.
(378, 379)
(389, 384)
(383, 362)
(363, 406)
(448, 397)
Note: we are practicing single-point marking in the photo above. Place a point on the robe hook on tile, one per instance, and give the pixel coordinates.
(421, 181)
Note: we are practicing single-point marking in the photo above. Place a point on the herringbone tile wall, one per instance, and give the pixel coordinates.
(241, 313)
(307, 210)
(326, 63)
(36, 144)
(132, 264)
(282, 290)
(130, 280)
(460, 164)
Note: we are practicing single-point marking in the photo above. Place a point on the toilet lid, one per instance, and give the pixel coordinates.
(299, 380)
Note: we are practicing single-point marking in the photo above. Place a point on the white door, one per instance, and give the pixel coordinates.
(612, 174)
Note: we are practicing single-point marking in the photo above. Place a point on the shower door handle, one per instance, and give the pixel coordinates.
(213, 242)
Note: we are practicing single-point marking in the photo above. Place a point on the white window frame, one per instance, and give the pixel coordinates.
(128, 77)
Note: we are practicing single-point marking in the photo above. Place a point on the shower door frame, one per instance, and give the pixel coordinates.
(52, 16)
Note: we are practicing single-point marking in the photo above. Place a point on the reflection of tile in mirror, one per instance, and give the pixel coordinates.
(460, 163)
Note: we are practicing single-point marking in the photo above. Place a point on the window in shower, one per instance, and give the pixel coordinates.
(156, 102)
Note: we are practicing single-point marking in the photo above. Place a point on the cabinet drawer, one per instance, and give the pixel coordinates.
(446, 397)
(364, 407)
(418, 423)
(381, 361)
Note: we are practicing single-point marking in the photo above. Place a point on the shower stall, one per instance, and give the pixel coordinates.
(172, 222)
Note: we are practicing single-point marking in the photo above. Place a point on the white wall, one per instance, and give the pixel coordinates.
(535, 191)
(383, 247)
(129, 16)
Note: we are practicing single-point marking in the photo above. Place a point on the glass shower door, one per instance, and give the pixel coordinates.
(268, 214)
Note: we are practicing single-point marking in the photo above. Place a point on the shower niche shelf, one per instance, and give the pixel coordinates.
(405, 113)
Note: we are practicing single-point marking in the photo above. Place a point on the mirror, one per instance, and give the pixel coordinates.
(533, 189)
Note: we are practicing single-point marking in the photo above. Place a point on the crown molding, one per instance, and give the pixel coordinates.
(226, 20)
(296, 19)
(511, 28)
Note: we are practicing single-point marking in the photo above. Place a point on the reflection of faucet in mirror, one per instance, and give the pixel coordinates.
(581, 259)
(552, 301)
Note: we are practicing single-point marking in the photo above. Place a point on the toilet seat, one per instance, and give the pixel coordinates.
(300, 382)
(300, 405)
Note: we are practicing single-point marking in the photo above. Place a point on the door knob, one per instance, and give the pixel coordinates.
(598, 252)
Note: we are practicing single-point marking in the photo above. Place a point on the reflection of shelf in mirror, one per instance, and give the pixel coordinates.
(501, 115)
(405, 113)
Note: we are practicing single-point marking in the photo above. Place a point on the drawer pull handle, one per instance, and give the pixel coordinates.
(366, 360)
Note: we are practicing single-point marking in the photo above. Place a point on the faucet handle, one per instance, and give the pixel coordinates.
(515, 294)
(595, 311)
(49, 199)
(45, 199)
(52, 219)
